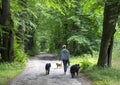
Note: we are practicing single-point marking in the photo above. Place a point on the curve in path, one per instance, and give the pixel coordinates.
(34, 74)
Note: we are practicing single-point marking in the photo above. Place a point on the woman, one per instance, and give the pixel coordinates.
(65, 56)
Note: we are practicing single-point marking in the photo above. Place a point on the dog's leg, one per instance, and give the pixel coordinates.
(72, 74)
(48, 71)
(77, 73)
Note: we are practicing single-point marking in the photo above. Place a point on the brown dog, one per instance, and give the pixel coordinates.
(59, 64)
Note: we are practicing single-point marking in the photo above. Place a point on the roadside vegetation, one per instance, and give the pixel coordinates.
(8, 71)
(99, 76)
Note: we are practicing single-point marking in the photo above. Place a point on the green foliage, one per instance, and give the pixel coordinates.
(24, 23)
(8, 71)
(19, 55)
(85, 61)
(99, 76)
(86, 64)
(82, 45)
(104, 76)
(11, 66)
(58, 22)
(45, 25)
(69, 21)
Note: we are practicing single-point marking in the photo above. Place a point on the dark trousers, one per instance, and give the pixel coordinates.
(65, 64)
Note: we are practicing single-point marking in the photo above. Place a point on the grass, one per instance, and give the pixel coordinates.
(8, 71)
(99, 76)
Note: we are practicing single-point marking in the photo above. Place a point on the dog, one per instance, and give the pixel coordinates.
(74, 69)
(59, 65)
(47, 68)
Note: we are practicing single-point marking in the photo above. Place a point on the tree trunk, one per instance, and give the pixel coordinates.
(7, 52)
(110, 18)
(110, 52)
(0, 32)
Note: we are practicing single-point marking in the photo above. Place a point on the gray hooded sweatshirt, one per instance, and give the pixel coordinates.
(64, 54)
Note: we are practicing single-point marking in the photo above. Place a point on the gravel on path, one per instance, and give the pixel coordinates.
(34, 74)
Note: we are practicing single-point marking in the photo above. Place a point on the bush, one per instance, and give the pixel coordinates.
(20, 55)
(8, 71)
(85, 64)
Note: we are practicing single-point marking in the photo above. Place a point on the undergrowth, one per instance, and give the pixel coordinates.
(8, 71)
(99, 76)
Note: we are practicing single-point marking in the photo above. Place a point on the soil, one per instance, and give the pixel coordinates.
(34, 73)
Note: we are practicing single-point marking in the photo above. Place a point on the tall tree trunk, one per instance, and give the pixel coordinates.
(110, 18)
(0, 34)
(7, 52)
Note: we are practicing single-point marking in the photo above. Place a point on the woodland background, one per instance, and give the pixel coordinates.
(89, 28)
(33, 26)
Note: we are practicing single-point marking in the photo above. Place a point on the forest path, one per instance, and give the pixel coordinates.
(34, 73)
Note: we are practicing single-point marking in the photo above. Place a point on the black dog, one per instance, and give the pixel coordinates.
(74, 69)
(47, 68)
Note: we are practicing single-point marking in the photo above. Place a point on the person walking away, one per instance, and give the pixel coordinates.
(64, 57)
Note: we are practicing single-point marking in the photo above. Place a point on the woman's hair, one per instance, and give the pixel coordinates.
(64, 46)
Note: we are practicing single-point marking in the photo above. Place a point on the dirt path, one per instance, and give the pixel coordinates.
(34, 74)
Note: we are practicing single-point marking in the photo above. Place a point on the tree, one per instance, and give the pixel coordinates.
(7, 39)
(25, 24)
(109, 23)
(20, 33)
(73, 25)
